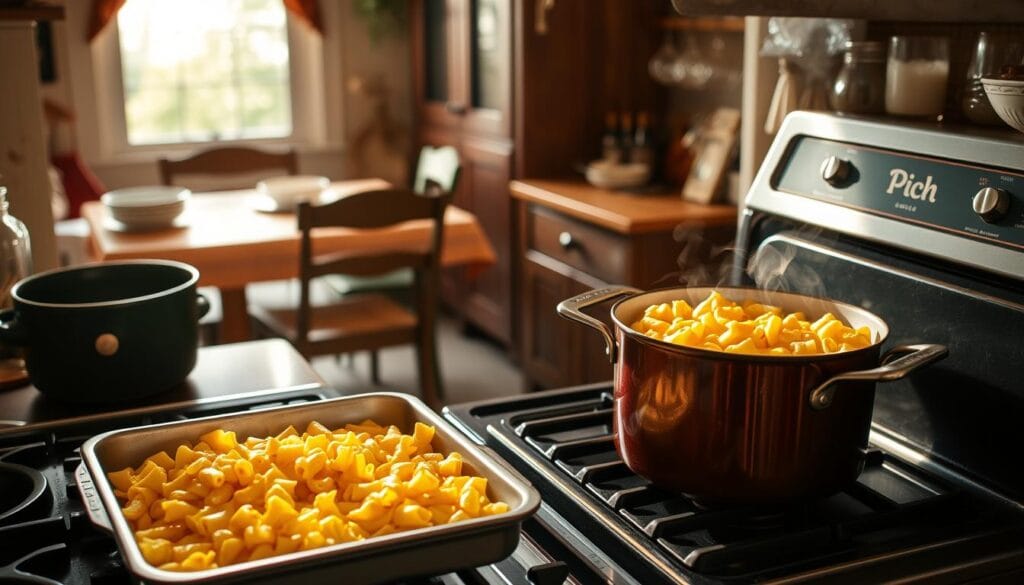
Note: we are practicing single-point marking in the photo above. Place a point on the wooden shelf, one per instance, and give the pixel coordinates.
(31, 11)
(725, 24)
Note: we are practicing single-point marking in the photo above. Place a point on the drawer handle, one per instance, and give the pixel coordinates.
(566, 241)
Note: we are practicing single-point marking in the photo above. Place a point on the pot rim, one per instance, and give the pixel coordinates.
(722, 355)
(192, 270)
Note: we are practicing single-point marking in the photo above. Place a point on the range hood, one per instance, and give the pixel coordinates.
(989, 11)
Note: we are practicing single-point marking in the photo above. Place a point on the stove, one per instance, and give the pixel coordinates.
(46, 535)
(922, 225)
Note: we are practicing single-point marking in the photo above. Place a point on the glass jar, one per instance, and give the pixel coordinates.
(15, 251)
(859, 87)
(992, 52)
(916, 75)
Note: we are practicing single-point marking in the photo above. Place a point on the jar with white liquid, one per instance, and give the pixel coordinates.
(916, 75)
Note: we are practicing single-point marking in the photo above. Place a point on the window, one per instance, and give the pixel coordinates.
(204, 70)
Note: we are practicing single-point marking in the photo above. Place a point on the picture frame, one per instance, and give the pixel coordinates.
(714, 151)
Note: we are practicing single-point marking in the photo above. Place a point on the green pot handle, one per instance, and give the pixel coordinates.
(204, 305)
(11, 333)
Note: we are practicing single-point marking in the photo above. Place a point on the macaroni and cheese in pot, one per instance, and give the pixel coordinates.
(713, 390)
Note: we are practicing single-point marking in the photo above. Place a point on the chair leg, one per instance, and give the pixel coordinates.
(430, 374)
(375, 368)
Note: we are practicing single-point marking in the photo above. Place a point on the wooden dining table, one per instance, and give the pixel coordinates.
(233, 242)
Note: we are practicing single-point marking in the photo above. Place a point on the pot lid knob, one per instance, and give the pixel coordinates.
(107, 344)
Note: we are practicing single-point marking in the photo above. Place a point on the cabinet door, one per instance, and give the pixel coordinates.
(547, 347)
(483, 189)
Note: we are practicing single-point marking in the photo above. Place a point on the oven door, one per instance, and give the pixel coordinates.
(965, 411)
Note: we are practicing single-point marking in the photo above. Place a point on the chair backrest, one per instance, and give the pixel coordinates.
(373, 210)
(214, 168)
(439, 164)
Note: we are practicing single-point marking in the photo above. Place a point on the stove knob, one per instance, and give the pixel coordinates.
(991, 204)
(835, 170)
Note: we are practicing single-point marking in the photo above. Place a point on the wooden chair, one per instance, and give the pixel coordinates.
(438, 164)
(236, 163)
(228, 161)
(368, 321)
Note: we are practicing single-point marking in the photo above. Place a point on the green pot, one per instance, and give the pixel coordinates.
(109, 332)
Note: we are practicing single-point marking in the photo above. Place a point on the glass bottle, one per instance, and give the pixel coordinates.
(642, 152)
(859, 87)
(626, 135)
(611, 150)
(15, 251)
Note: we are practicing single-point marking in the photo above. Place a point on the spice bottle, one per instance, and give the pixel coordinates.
(611, 149)
(859, 87)
(642, 151)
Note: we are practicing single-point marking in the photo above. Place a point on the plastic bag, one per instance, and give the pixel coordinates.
(809, 43)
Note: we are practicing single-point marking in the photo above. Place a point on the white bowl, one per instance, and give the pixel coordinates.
(1007, 99)
(290, 190)
(146, 207)
(608, 175)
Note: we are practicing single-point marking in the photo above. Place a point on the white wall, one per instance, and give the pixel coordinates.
(347, 53)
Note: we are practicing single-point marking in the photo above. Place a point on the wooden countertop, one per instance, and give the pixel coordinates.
(626, 213)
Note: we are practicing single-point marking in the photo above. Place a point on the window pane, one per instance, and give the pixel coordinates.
(487, 66)
(210, 114)
(188, 65)
(266, 110)
(158, 115)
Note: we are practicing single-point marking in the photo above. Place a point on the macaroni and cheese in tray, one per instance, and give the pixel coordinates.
(471, 541)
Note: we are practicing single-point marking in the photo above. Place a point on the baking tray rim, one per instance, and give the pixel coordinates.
(483, 462)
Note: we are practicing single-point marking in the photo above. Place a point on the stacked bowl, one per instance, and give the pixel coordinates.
(145, 208)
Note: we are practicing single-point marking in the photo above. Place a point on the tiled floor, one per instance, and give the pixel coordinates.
(472, 367)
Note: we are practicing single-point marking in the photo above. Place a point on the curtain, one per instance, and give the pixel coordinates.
(103, 11)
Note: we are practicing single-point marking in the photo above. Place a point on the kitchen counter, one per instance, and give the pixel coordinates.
(223, 372)
(574, 237)
(620, 211)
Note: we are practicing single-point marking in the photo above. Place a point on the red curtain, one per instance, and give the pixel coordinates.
(103, 11)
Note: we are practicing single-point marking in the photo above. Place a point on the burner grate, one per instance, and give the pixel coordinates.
(892, 507)
(52, 539)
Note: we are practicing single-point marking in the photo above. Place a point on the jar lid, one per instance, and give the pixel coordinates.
(866, 50)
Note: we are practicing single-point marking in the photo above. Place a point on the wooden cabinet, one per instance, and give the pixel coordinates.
(573, 238)
(462, 64)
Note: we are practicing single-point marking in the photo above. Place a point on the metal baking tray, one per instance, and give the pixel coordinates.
(424, 551)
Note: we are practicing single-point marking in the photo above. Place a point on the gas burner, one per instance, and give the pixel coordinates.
(23, 493)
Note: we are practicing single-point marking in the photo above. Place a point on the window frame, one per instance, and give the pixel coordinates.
(315, 125)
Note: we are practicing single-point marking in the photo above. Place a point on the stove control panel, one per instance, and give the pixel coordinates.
(972, 201)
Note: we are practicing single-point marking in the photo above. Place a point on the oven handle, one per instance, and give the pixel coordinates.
(904, 360)
(93, 505)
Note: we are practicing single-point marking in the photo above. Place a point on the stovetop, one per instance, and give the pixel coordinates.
(897, 521)
(49, 538)
(46, 536)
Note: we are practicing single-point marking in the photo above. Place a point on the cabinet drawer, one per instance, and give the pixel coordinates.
(583, 246)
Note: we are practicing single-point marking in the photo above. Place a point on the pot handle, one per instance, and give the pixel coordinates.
(917, 356)
(572, 309)
(11, 332)
(203, 304)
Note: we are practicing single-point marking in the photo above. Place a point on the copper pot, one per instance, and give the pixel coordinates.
(728, 428)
